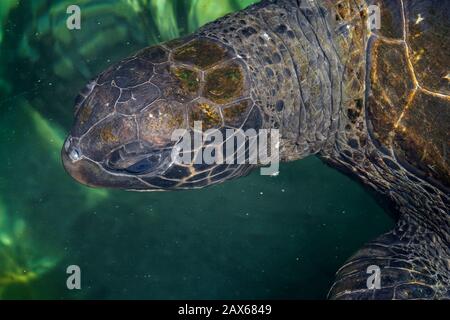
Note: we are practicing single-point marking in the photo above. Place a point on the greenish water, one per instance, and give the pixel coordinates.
(256, 237)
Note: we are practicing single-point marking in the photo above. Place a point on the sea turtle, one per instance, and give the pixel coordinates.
(373, 102)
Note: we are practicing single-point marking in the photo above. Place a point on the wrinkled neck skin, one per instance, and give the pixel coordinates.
(294, 69)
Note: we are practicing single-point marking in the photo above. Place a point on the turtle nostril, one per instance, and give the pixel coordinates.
(72, 151)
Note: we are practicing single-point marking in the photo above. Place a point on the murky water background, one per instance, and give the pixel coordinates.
(256, 237)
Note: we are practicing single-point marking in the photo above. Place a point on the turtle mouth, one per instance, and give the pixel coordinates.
(81, 169)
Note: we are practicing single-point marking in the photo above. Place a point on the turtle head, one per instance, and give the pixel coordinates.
(130, 120)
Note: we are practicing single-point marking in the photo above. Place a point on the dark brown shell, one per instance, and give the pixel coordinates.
(409, 84)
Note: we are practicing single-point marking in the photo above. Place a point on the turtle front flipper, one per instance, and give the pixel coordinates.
(400, 264)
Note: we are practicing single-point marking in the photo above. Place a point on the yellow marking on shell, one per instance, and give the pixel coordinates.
(206, 113)
(410, 57)
(210, 113)
(374, 73)
(386, 98)
(108, 136)
(419, 18)
(418, 55)
(389, 40)
(408, 104)
(434, 94)
(447, 76)
(417, 85)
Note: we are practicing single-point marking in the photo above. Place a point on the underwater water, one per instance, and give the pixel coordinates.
(255, 237)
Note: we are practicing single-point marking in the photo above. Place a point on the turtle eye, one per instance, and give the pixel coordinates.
(138, 159)
(144, 165)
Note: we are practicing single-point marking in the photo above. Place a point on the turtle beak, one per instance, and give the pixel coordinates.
(91, 173)
(78, 167)
(75, 170)
(80, 170)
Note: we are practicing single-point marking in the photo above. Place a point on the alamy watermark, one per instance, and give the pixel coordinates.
(231, 146)
(74, 279)
(374, 280)
(73, 22)
(374, 17)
